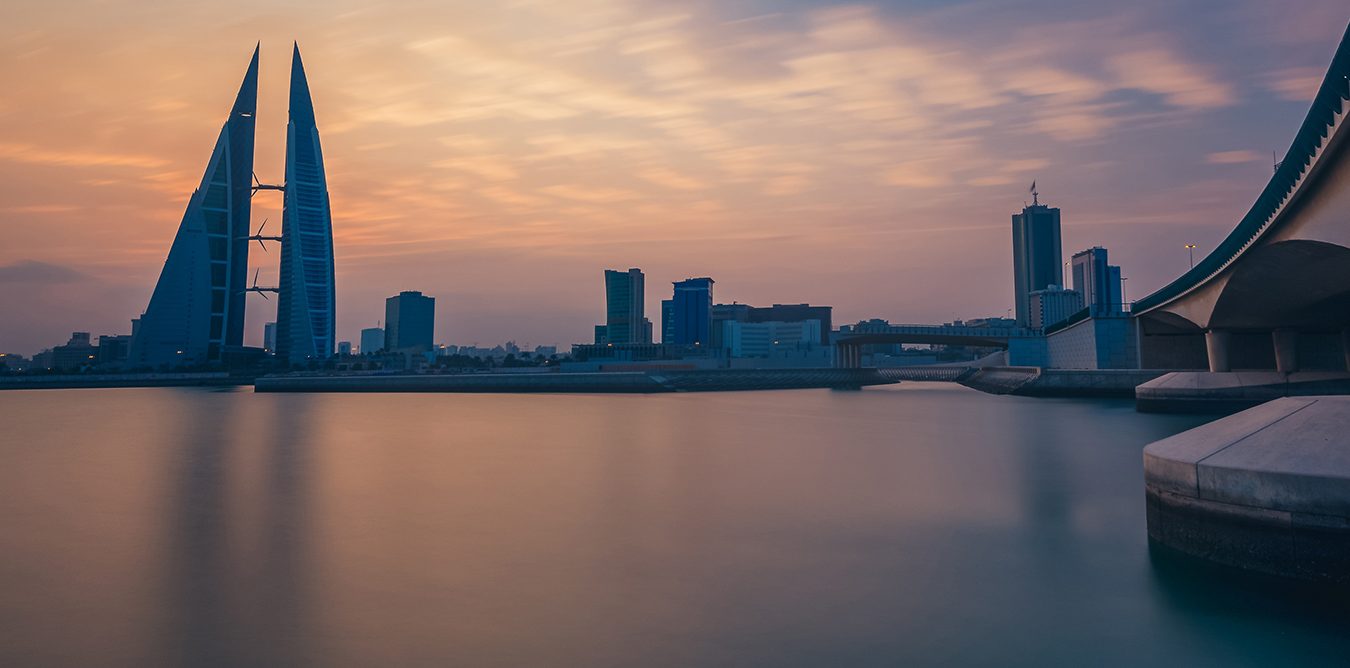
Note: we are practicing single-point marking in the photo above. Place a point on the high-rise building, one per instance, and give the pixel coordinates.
(1098, 281)
(625, 313)
(693, 302)
(197, 308)
(667, 321)
(307, 299)
(1053, 305)
(270, 337)
(409, 322)
(372, 340)
(1037, 262)
(344, 348)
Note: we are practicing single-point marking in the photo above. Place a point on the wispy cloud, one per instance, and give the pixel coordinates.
(1232, 157)
(1181, 83)
(35, 271)
(1298, 84)
(27, 153)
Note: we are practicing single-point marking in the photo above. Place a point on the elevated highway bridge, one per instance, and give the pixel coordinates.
(848, 346)
(1276, 292)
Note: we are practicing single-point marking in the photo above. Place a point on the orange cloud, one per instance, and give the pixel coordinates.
(28, 153)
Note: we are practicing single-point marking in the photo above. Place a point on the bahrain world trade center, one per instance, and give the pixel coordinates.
(196, 313)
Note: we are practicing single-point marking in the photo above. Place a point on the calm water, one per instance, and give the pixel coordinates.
(918, 524)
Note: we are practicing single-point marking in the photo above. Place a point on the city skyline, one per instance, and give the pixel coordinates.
(432, 191)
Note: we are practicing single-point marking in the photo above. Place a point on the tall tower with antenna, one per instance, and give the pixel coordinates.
(1037, 256)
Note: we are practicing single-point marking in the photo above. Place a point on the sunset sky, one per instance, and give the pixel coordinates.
(500, 155)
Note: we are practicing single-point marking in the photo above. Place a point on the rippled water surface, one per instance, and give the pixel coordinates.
(909, 525)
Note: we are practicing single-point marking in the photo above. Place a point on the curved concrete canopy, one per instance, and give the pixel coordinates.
(1166, 322)
(1287, 284)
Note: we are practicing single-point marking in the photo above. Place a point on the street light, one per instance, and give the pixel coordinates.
(1190, 248)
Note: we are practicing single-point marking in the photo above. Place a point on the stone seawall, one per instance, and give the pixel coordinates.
(1038, 382)
(83, 381)
(1267, 489)
(1229, 392)
(619, 382)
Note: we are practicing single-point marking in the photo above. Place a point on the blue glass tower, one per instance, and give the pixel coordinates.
(693, 302)
(305, 305)
(1037, 256)
(625, 314)
(197, 309)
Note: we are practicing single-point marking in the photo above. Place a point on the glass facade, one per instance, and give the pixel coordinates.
(693, 302)
(197, 309)
(625, 310)
(1037, 258)
(307, 299)
(409, 322)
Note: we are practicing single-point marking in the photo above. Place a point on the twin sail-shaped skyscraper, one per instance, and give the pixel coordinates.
(196, 313)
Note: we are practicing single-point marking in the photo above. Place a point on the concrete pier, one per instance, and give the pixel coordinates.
(1203, 392)
(1267, 489)
(1073, 383)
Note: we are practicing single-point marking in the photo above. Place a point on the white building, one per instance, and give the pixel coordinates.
(1053, 305)
(761, 339)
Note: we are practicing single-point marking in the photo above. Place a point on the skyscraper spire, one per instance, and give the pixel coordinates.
(305, 306)
(302, 106)
(197, 309)
(246, 100)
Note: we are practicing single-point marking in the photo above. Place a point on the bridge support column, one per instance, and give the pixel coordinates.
(847, 356)
(1345, 347)
(1286, 350)
(1216, 346)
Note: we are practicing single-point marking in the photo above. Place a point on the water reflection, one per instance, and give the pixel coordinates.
(1250, 606)
(236, 558)
(911, 525)
(198, 559)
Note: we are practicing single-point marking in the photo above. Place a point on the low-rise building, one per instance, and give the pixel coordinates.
(760, 339)
(76, 354)
(114, 350)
